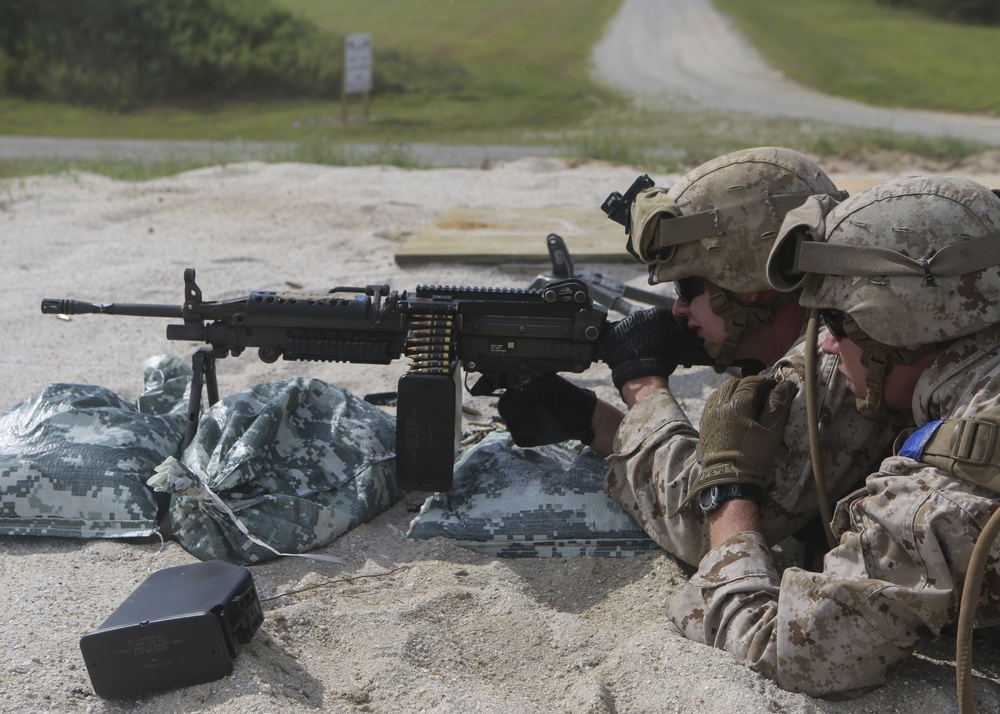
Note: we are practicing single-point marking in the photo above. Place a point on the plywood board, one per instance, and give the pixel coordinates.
(485, 235)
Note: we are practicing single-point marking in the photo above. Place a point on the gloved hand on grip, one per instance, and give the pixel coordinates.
(741, 429)
(649, 343)
(548, 409)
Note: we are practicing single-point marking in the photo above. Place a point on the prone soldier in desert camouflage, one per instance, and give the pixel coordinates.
(905, 275)
(711, 234)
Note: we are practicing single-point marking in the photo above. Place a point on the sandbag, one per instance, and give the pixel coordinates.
(74, 458)
(297, 461)
(542, 502)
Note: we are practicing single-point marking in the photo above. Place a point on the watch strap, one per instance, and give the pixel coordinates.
(714, 496)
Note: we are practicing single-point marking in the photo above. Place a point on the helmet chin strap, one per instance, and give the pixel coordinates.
(879, 359)
(739, 319)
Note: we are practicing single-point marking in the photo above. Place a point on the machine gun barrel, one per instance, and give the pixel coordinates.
(57, 306)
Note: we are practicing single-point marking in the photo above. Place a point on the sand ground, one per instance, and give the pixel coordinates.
(430, 627)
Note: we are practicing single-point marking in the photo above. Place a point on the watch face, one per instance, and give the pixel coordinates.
(709, 499)
(714, 496)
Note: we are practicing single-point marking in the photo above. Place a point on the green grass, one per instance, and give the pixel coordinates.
(529, 62)
(513, 46)
(876, 54)
(528, 59)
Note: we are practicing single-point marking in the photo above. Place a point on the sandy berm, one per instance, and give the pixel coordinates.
(437, 628)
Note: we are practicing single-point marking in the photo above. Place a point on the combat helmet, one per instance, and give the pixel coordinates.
(912, 261)
(718, 223)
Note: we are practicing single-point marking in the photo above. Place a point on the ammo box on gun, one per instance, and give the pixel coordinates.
(182, 626)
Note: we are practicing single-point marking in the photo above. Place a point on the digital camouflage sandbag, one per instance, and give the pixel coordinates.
(297, 461)
(542, 502)
(74, 458)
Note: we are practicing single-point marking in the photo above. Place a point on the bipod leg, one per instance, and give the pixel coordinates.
(203, 376)
(211, 384)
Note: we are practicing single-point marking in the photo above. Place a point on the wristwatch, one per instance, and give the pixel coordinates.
(714, 496)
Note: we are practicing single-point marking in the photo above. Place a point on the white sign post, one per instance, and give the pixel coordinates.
(357, 77)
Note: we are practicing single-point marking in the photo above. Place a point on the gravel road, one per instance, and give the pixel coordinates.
(681, 52)
(685, 51)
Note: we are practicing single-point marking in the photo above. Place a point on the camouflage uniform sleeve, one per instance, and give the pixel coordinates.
(894, 579)
(730, 603)
(851, 446)
(656, 457)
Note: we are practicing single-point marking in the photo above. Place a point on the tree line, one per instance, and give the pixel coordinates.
(122, 54)
(979, 12)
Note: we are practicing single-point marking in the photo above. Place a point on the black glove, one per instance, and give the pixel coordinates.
(548, 409)
(649, 343)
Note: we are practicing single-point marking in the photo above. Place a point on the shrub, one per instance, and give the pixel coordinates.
(119, 54)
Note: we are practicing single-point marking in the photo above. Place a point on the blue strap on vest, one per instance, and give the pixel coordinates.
(913, 447)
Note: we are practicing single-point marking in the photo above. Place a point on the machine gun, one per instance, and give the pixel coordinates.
(504, 334)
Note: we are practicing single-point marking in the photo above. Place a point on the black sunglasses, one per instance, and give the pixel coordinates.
(689, 288)
(834, 321)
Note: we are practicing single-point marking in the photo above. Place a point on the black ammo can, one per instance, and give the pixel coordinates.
(182, 626)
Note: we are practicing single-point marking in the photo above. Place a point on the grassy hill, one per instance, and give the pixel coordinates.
(527, 63)
(876, 54)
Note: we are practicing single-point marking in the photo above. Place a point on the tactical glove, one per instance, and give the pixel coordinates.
(741, 429)
(649, 343)
(548, 409)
